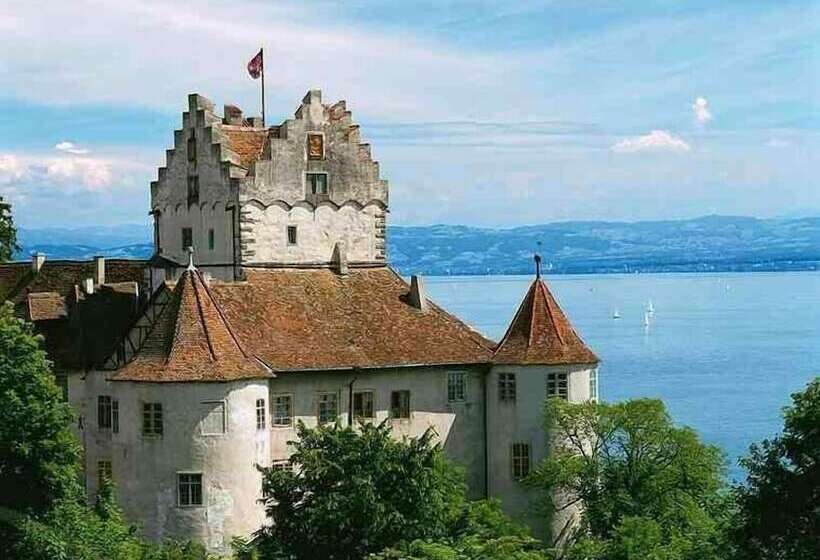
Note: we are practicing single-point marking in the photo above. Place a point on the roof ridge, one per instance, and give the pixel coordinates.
(202, 320)
(550, 311)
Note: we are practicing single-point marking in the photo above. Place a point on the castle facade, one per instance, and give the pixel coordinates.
(268, 302)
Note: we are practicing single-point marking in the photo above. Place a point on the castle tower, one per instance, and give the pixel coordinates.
(304, 193)
(540, 356)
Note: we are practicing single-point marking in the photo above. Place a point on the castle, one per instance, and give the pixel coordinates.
(190, 369)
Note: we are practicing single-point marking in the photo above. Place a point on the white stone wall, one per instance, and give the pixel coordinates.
(201, 219)
(459, 425)
(522, 422)
(318, 231)
(145, 467)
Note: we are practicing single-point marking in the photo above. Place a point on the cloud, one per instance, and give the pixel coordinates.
(69, 173)
(70, 148)
(655, 141)
(701, 109)
(91, 173)
(12, 169)
(777, 143)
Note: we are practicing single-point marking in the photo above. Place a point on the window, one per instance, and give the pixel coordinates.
(520, 460)
(260, 414)
(282, 465)
(193, 189)
(506, 387)
(192, 146)
(211, 240)
(328, 408)
(593, 385)
(152, 419)
(213, 419)
(291, 235)
(363, 404)
(187, 238)
(317, 183)
(115, 416)
(456, 386)
(400, 404)
(557, 385)
(282, 410)
(104, 472)
(104, 412)
(189, 489)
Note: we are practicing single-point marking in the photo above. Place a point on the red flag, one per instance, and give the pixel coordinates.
(255, 65)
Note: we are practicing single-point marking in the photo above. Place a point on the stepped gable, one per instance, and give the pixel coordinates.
(540, 334)
(192, 341)
(315, 319)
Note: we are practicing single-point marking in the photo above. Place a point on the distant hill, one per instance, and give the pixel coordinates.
(711, 243)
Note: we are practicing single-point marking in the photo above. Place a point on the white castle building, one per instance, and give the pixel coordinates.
(186, 377)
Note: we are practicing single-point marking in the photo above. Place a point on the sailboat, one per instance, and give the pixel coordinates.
(646, 319)
(650, 308)
(615, 314)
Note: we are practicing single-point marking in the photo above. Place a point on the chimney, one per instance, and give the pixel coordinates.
(88, 286)
(255, 122)
(37, 261)
(418, 295)
(99, 270)
(339, 259)
(232, 115)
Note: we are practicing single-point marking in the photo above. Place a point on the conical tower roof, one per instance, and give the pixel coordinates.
(540, 333)
(192, 341)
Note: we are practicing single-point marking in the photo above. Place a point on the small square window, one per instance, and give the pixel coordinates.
(193, 190)
(557, 385)
(456, 386)
(282, 410)
(328, 408)
(363, 404)
(152, 419)
(189, 489)
(400, 404)
(211, 240)
(520, 454)
(291, 235)
(213, 418)
(317, 183)
(506, 387)
(187, 238)
(104, 472)
(260, 414)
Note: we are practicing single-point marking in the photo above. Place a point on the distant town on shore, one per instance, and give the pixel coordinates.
(705, 244)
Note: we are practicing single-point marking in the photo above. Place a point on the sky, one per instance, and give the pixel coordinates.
(479, 113)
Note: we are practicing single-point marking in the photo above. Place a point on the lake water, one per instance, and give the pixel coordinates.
(724, 351)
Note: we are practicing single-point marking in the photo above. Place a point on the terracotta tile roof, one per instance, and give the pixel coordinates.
(247, 142)
(192, 341)
(540, 333)
(45, 306)
(316, 319)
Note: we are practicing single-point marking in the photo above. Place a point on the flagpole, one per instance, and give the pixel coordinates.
(262, 50)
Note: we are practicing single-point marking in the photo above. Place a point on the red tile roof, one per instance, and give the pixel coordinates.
(541, 334)
(247, 142)
(192, 341)
(45, 306)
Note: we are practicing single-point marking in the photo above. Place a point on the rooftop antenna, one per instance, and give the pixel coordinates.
(538, 261)
(191, 259)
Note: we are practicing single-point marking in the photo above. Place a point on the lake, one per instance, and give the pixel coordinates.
(724, 351)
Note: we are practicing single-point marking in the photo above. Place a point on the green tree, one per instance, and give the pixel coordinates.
(39, 456)
(357, 491)
(649, 489)
(779, 506)
(8, 232)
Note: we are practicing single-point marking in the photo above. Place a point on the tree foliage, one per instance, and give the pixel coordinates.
(39, 456)
(649, 489)
(779, 506)
(358, 491)
(8, 232)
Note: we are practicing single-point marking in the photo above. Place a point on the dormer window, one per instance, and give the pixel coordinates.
(317, 183)
(193, 190)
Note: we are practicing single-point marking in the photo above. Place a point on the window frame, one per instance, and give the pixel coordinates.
(558, 385)
(261, 414)
(520, 463)
(193, 189)
(205, 415)
(104, 415)
(187, 234)
(402, 406)
(310, 184)
(507, 387)
(211, 239)
(190, 483)
(363, 392)
(593, 385)
(191, 147)
(453, 389)
(282, 465)
(320, 135)
(319, 404)
(153, 421)
(295, 230)
(274, 418)
(105, 471)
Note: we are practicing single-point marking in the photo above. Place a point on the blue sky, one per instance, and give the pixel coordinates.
(479, 114)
